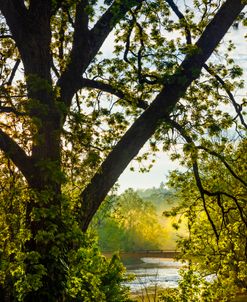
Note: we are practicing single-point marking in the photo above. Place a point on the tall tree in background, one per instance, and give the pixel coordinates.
(65, 110)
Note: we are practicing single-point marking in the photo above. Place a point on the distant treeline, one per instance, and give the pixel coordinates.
(134, 221)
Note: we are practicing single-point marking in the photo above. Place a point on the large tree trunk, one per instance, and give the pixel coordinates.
(44, 209)
(43, 212)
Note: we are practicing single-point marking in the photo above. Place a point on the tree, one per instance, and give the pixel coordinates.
(58, 135)
(214, 207)
(131, 224)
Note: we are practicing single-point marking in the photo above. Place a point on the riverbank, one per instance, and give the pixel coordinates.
(153, 297)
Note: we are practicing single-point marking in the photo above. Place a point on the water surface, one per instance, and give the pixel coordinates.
(152, 272)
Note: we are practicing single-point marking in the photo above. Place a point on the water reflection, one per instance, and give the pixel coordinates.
(152, 272)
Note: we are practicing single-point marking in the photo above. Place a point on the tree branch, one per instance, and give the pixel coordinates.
(15, 14)
(6, 37)
(197, 177)
(189, 140)
(109, 20)
(12, 150)
(31, 31)
(112, 90)
(81, 45)
(219, 193)
(13, 72)
(199, 184)
(182, 18)
(87, 43)
(221, 158)
(202, 193)
(7, 109)
(236, 106)
(145, 126)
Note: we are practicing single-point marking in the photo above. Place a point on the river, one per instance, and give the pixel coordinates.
(151, 272)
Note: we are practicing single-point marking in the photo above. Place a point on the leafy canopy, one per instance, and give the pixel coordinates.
(72, 118)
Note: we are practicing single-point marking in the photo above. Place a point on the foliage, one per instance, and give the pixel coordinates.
(73, 117)
(191, 288)
(89, 275)
(216, 215)
(92, 277)
(131, 224)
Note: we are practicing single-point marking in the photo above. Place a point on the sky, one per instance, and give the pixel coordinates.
(157, 174)
(163, 164)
